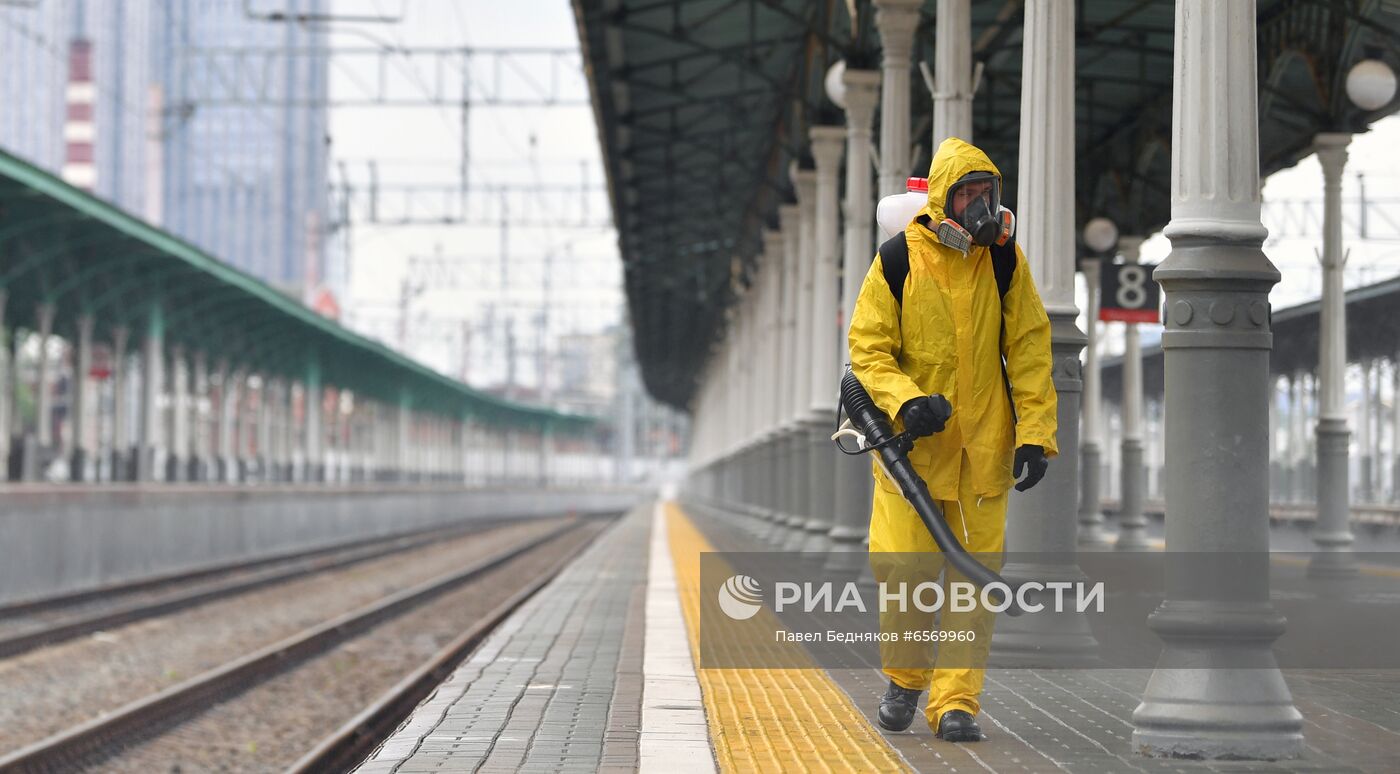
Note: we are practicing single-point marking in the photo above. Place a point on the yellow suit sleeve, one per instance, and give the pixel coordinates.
(875, 342)
(1028, 360)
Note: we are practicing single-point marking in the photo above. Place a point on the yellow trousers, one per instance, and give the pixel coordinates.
(902, 551)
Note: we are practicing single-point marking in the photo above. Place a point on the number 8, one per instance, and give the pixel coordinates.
(1131, 293)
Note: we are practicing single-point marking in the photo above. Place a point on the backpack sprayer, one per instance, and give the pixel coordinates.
(867, 424)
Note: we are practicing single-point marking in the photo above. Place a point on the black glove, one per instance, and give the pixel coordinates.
(1031, 458)
(926, 416)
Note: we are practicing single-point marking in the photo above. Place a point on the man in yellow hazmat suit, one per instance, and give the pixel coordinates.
(967, 324)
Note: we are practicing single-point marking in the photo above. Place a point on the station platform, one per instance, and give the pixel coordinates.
(598, 672)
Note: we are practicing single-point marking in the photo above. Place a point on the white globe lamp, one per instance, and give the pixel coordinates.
(835, 86)
(1371, 84)
(1100, 234)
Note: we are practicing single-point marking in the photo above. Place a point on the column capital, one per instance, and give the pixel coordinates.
(862, 95)
(1331, 150)
(896, 20)
(828, 144)
(788, 215)
(773, 245)
(1131, 247)
(805, 182)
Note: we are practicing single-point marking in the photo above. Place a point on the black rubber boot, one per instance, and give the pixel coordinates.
(959, 726)
(898, 707)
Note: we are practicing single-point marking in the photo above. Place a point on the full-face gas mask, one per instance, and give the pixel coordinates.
(974, 215)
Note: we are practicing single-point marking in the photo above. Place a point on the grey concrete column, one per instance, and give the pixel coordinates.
(896, 20)
(1276, 453)
(403, 449)
(1091, 521)
(228, 423)
(120, 458)
(152, 384)
(1373, 420)
(1297, 441)
(828, 338)
(1132, 522)
(791, 476)
(178, 424)
(1311, 393)
(202, 449)
(854, 485)
(952, 72)
(82, 409)
(22, 446)
(315, 457)
(1217, 691)
(805, 183)
(1395, 428)
(7, 371)
(288, 410)
(265, 430)
(1045, 519)
(774, 256)
(43, 388)
(1332, 531)
(1363, 437)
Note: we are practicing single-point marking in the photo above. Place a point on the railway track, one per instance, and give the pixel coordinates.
(353, 741)
(92, 743)
(89, 611)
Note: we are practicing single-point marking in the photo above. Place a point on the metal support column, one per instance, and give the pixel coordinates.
(827, 339)
(1395, 428)
(82, 410)
(1132, 522)
(43, 383)
(313, 405)
(1045, 519)
(1217, 691)
(791, 474)
(1091, 521)
(121, 459)
(1363, 436)
(178, 424)
(854, 484)
(896, 20)
(199, 451)
(805, 183)
(152, 382)
(952, 72)
(1332, 530)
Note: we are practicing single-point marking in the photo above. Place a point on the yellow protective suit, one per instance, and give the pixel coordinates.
(946, 338)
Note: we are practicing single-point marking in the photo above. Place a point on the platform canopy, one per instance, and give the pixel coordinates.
(702, 105)
(1373, 332)
(61, 246)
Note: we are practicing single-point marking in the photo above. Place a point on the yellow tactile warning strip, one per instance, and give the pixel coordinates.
(772, 719)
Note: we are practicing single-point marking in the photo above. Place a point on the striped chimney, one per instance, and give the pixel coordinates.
(79, 130)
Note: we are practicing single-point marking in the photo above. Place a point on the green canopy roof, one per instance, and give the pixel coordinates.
(61, 246)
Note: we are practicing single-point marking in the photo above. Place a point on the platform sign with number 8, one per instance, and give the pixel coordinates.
(1129, 294)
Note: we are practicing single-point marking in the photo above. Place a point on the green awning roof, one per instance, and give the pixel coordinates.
(62, 246)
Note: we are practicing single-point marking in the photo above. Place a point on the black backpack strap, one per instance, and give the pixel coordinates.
(894, 259)
(1004, 265)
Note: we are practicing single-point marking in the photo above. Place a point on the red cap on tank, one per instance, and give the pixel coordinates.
(917, 184)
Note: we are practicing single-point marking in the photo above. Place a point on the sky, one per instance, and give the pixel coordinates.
(549, 149)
